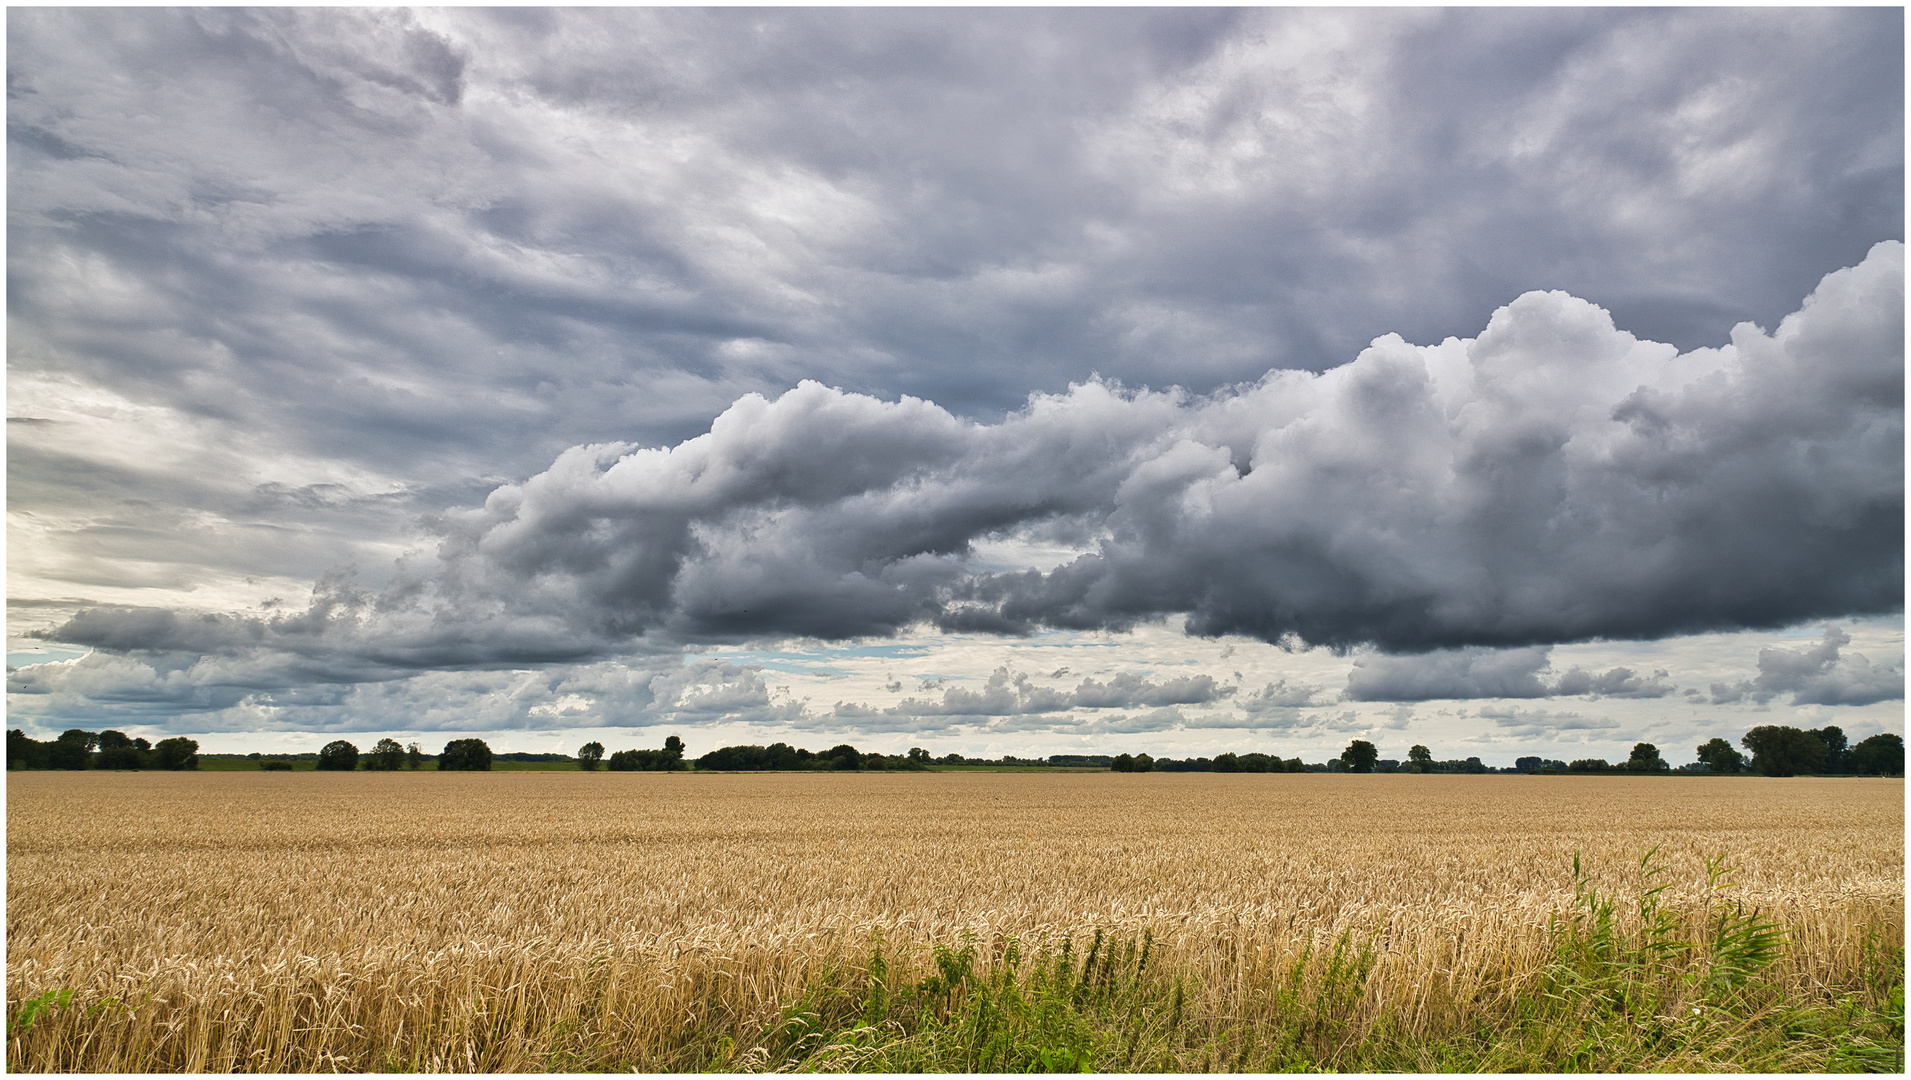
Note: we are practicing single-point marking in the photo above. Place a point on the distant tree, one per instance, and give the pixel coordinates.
(72, 750)
(1144, 763)
(465, 755)
(1227, 763)
(414, 757)
(1420, 759)
(1529, 764)
(1294, 764)
(338, 756)
(1783, 751)
(1122, 763)
(1645, 758)
(386, 756)
(24, 752)
(180, 753)
(1879, 755)
(118, 752)
(1360, 756)
(589, 754)
(674, 747)
(917, 753)
(1834, 740)
(266, 765)
(1589, 765)
(1719, 756)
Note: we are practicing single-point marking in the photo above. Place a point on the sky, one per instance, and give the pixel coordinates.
(996, 381)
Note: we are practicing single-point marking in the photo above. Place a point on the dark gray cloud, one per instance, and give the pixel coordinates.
(1553, 480)
(1816, 676)
(285, 284)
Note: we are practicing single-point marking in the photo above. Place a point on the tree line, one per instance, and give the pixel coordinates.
(1774, 750)
(77, 749)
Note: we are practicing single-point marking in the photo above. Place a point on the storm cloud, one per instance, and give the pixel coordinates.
(1554, 479)
(554, 345)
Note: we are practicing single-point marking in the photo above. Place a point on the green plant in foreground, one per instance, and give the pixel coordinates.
(1629, 987)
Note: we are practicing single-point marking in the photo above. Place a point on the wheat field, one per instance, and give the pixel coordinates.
(572, 921)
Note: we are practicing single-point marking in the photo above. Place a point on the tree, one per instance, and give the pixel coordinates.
(337, 756)
(24, 752)
(1420, 758)
(1783, 751)
(1529, 764)
(1144, 763)
(465, 755)
(118, 752)
(1880, 755)
(181, 753)
(589, 754)
(674, 747)
(414, 757)
(1227, 763)
(1122, 763)
(1360, 756)
(1645, 758)
(1834, 740)
(917, 753)
(386, 756)
(1720, 757)
(1592, 764)
(844, 756)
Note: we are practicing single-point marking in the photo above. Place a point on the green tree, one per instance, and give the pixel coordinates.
(1719, 756)
(589, 754)
(844, 756)
(72, 750)
(1592, 764)
(1360, 756)
(24, 752)
(177, 753)
(1783, 751)
(1645, 758)
(336, 756)
(1879, 755)
(917, 753)
(1834, 740)
(414, 757)
(1227, 763)
(118, 752)
(1421, 759)
(465, 755)
(386, 756)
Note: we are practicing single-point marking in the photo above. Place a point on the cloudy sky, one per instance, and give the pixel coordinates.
(1507, 381)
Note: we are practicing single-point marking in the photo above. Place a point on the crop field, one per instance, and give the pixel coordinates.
(539, 921)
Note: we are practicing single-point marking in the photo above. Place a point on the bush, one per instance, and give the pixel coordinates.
(338, 756)
(275, 766)
(465, 755)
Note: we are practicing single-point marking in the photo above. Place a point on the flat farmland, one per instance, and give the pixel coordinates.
(573, 921)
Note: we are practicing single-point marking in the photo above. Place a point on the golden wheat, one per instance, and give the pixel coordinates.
(528, 921)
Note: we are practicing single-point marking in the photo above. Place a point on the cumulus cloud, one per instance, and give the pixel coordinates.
(1820, 675)
(1554, 479)
(1475, 672)
(1014, 694)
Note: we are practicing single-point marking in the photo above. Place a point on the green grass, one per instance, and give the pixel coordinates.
(1622, 994)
